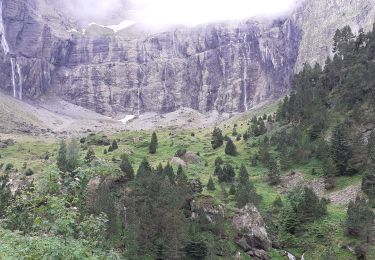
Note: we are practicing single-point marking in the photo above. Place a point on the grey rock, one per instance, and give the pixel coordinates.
(228, 67)
(252, 233)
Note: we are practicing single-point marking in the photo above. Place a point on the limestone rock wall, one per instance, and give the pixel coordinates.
(228, 67)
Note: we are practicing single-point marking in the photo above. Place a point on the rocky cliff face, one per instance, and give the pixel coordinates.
(227, 67)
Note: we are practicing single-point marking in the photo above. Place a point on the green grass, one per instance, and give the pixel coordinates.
(135, 143)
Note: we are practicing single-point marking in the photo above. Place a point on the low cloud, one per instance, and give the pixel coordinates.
(154, 13)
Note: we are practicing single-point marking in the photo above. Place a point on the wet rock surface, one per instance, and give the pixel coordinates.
(228, 67)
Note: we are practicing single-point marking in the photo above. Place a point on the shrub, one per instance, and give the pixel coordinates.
(180, 152)
(29, 172)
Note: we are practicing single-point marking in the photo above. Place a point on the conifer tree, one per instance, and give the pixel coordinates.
(340, 148)
(246, 193)
(232, 190)
(169, 172)
(360, 219)
(368, 182)
(273, 172)
(218, 161)
(126, 167)
(228, 174)
(72, 156)
(61, 157)
(230, 148)
(211, 185)
(159, 170)
(180, 176)
(153, 144)
(5, 194)
(144, 169)
(217, 138)
(329, 172)
(244, 175)
(114, 145)
(90, 155)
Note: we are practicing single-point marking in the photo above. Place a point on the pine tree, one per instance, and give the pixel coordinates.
(61, 157)
(232, 190)
(219, 172)
(211, 185)
(244, 175)
(126, 168)
(329, 172)
(153, 144)
(368, 182)
(360, 219)
(218, 161)
(156, 219)
(169, 172)
(159, 170)
(340, 148)
(262, 128)
(273, 172)
(114, 145)
(144, 170)
(230, 148)
(217, 138)
(180, 176)
(5, 194)
(90, 155)
(277, 203)
(228, 174)
(72, 156)
(246, 193)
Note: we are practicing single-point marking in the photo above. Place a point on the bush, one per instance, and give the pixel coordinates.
(29, 172)
(180, 152)
(100, 140)
(9, 167)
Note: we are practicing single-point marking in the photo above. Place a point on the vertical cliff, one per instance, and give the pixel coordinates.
(228, 67)
(224, 67)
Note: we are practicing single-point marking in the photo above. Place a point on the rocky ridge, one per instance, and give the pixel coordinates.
(228, 66)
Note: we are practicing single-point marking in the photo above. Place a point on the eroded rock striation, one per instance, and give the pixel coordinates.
(228, 67)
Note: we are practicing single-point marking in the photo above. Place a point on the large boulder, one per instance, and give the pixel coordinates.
(207, 207)
(252, 234)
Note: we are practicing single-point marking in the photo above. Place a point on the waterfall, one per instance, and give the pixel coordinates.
(19, 81)
(144, 53)
(4, 42)
(139, 91)
(245, 78)
(165, 77)
(13, 77)
(291, 257)
(13, 61)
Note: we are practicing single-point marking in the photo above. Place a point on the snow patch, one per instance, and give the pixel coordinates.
(116, 27)
(127, 119)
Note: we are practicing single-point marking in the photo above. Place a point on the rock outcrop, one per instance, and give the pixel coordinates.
(252, 235)
(228, 67)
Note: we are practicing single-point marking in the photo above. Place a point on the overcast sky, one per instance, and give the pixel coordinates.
(193, 12)
(167, 12)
